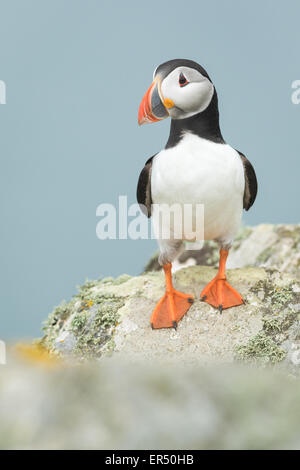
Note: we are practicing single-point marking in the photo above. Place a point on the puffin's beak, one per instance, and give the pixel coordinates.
(152, 108)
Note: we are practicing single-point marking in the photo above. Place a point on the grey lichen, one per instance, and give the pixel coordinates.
(79, 321)
(112, 316)
(84, 290)
(278, 296)
(277, 318)
(260, 349)
(264, 256)
(107, 312)
(95, 335)
(289, 231)
(90, 316)
(55, 321)
(116, 281)
(121, 279)
(273, 324)
(281, 296)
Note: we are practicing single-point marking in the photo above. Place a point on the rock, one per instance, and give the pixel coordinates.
(111, 318)
(194, 388)
(116, 405)
(264, 245)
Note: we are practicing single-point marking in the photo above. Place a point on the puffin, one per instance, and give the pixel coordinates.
(196, 167)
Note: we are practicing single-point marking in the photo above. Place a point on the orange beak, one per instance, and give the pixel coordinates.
(152, 108)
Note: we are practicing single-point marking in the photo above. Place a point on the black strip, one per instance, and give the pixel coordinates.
(204, 124)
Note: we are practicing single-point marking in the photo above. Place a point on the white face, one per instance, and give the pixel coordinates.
(189, 90)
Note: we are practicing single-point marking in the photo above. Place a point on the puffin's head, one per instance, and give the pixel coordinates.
(180, 89)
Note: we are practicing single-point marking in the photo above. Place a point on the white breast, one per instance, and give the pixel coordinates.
(198, 171)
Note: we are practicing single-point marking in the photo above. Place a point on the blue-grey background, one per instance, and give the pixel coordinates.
(75, 72)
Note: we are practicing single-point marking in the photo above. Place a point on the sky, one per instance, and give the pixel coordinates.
(75, 72)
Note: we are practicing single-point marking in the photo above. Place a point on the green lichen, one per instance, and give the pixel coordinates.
(116, 282)
(109, 347)
(55, 321)
(260, 349)
(140, 293)
(273, 324)
(264, 256)
(94, 336)
(277, 318)
(292, 232)
(61, 312)
(280, 296)
(79, 321)
(107, 280)
(86, 287)
(94, 317)
(121, 279)
(107, 314)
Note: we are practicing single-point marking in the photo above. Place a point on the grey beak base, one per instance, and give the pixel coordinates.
(157, 106)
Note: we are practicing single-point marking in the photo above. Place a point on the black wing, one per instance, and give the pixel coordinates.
(143, 192)
(250, 183)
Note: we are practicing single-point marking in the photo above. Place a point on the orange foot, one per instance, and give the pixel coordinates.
(172, 306)
(218, 292)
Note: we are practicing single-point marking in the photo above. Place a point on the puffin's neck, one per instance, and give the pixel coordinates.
(205, 125)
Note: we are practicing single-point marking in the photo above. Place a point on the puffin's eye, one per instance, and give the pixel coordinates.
(182, 80)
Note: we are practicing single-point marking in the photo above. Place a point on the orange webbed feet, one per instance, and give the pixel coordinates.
(170, 309)
(172, 306)
(220, 294)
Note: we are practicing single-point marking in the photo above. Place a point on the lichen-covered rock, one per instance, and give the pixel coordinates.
(116, 405)
(112, 317)
(264, 245)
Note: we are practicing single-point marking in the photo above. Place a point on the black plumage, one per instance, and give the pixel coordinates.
(250, 191)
